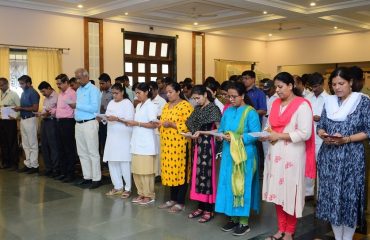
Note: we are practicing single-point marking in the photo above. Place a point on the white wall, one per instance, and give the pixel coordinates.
(28, 27)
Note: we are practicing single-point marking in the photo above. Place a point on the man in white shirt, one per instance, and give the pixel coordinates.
(300, 84)
(159, 102)
(270, 90)
(316, 99)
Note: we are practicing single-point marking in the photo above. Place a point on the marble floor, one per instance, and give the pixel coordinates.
(34, 207)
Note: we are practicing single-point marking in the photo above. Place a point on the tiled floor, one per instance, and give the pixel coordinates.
(36, 207)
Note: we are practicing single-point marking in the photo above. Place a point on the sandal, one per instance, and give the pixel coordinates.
(274, 238)
(126, 194)
(167, 204)
(195, 213)
(206, 217)
(137, 199)
(176, 208)
(114, 192)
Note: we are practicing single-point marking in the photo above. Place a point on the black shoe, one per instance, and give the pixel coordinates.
(23, 170)
(46, 173)
(55, 174)
(95, 184)
(60, 177)
(84, 182)
(241, 229)
(14, 168)
(68, 179)
(33, 170)
(230, 225)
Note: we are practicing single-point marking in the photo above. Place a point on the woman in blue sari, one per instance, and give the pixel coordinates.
(238, 184)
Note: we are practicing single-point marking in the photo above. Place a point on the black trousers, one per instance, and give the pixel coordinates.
(49, 145)
(67, 146)
(209, 207)
(178, 193)
(103, 128)
(9, 143)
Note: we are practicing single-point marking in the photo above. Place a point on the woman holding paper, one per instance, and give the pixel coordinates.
(238, 184)
(117, 147)
(291, 154)
(175, 148)
(344, 124)
(205, 117)
(143, 146)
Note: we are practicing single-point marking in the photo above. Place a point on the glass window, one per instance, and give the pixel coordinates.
(153, 68)
(17, 68)
(127, 46)
(141, 79)
(164, 48)
(141, 68)
(165, 68)
(140, 48)
(153, 79)
(130, 79)
(128, 66)
(152, 49)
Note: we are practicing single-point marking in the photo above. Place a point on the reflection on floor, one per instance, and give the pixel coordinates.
(35, 207)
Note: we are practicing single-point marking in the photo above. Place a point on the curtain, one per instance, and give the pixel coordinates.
(4, 62)
(226, 68)
(44, 65)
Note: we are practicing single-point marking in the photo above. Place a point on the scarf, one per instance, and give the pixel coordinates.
(278, 123)
(239, 157)
(339, 113)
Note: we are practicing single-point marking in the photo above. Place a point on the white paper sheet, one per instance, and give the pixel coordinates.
(259, 134)
(7, 112)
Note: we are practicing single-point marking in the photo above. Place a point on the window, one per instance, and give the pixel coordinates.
(18, 67)
(148, 56)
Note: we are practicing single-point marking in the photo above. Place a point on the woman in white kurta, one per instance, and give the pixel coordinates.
(290, 124)
(143, 146)
(117, 148)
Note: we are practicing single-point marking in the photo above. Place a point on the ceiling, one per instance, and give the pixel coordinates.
(283, 19)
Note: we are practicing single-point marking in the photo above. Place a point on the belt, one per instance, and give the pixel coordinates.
(26, 117)
(83, 121)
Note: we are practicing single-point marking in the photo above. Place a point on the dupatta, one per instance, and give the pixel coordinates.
(278, 123)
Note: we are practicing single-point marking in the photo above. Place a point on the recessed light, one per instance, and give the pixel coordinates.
(195, 24)
(80, 6)
(264, 12)
(312, 4)
(335, 27)
(126, 13)
(270, 34)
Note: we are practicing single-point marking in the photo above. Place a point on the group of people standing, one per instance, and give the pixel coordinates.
(205, 138)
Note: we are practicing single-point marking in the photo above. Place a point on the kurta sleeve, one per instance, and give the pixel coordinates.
(366, 115)
(252, 124)
(323, 121)
(183, 114)
(303, 128)
(129, 110)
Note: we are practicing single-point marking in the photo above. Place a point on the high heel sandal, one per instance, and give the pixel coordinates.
(206, 217)
(195, 213)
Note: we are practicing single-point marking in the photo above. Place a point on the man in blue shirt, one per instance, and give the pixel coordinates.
(257, 96)
(86, 131)
(258, 99)
(29, 104)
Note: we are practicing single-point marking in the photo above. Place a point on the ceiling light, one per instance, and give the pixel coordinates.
(126, 13)
(270, 34)
(264, 12)
(80, 6)
(195, 24)
(312, 4)
(335, 27)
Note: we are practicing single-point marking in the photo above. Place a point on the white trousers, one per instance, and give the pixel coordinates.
(310, 183)
(87, 141)
(343, 232)
(117, 170)
(30, 143)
